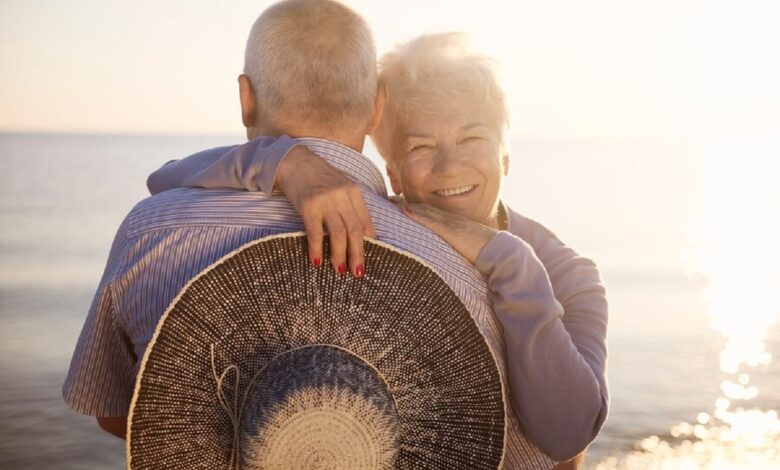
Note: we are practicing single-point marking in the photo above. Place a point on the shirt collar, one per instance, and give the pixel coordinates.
(350, 162)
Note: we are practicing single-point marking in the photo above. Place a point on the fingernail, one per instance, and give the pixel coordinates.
(394, 201)
(317, 262)
(360, 271)
(342, 268)
(407, 210)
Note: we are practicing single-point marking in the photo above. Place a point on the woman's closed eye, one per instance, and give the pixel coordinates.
(420, 146)
(471, 139)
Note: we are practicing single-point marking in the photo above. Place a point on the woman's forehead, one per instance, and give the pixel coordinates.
(421, 122)
(421, 104)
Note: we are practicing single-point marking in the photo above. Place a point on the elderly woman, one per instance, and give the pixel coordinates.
(444, 137)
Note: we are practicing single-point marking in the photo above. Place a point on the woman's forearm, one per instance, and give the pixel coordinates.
(251, 166)
(559, 396)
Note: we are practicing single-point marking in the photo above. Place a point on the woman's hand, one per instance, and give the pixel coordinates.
(325, 197)
(464, 235)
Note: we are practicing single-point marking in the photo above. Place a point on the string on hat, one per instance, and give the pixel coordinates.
(234, 411)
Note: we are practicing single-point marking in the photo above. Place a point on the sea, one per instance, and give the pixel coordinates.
(685, 234)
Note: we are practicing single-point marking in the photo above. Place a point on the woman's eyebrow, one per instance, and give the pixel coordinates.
(417, 136)
(472, 126)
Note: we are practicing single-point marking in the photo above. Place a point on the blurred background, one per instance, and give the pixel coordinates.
(645, 135)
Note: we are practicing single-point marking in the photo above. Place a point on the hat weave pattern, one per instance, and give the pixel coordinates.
(264, 361)
(321, 406)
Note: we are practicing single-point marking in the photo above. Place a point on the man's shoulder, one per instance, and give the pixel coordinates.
(397, 229)
(196, 207)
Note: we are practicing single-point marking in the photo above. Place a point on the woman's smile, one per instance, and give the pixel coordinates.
(456, 191)
(454, 162)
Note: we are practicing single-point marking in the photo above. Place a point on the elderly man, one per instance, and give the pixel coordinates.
(310, 73)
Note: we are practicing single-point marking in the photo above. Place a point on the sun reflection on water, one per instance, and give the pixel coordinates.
(736, 245)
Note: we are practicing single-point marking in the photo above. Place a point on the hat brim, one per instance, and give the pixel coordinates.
(265, 299)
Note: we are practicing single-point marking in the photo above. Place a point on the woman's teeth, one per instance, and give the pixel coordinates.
(454, 191)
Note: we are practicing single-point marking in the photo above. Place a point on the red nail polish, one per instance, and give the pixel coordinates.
(407, 210)
(317, 262)
(342, 268)
(360, 271)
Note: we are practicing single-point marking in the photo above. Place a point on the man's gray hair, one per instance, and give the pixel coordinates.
(312, 62)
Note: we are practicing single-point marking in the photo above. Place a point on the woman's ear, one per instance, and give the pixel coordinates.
(248, 101)
(395, 183)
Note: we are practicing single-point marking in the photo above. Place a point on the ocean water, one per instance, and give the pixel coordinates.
(679, 239)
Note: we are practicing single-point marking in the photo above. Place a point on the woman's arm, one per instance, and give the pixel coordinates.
(578, 287)
(252, 166)
(557, 375)
(325, 198)
(556, 351)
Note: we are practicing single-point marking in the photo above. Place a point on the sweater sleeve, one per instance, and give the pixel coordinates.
(555, 345)
(251, 166)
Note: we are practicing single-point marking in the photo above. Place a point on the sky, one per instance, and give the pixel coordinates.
(597, 69)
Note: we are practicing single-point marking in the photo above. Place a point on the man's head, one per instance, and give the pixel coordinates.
(309, 70)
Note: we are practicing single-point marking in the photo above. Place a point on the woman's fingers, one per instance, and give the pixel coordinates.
(358, 224)
(363, 216)
(325, 197)
(314, 233)
(422, 214)
(338, 242)
(355, 246)
(465, 236)
(346, 240)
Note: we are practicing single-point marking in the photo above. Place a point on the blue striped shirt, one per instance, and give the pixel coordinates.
(169, 238)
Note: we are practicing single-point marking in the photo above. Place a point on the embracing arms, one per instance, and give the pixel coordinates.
(326, 199)
(552, 307)
(549, 301)
(252, 166)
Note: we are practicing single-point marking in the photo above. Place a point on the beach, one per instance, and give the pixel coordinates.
(632, 206)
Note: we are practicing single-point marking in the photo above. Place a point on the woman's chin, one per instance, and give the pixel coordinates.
(458, 209)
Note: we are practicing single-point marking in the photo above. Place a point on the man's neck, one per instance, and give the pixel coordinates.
(351, 139)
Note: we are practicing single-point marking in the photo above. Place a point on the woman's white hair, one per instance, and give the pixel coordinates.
(312, 62)
(427, 74)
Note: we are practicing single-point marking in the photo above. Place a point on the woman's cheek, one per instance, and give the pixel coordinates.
(414, 180)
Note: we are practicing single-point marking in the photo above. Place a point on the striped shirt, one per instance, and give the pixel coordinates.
(169, 238)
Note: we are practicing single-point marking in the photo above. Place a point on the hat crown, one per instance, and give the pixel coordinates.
(319, 407)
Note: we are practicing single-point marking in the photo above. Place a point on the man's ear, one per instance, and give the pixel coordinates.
(505, 161)
(379, 108)
(395, 182)
(248, 101)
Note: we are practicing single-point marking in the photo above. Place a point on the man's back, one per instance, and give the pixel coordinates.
(169, 238)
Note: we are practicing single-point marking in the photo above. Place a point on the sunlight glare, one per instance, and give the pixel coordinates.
(735, 247)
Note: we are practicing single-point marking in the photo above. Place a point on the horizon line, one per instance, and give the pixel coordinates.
(241, 135)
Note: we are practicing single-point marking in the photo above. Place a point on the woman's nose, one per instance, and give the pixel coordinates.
(448, 159)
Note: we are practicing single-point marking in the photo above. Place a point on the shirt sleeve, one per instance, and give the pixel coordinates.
(555, 341)
(101, 377)
(251, 166)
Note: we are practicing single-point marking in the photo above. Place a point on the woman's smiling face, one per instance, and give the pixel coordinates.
(454, 161)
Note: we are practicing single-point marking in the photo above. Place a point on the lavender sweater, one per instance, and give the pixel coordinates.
(550, 302)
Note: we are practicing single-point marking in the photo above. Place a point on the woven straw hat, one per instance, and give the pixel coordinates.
(266, 362)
